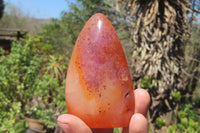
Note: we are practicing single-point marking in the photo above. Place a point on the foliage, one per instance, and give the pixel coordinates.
(17, 75)
(116, 130)
(192, 57)
(147, 83)
(59, 36)
(188, 117)
(32, 76)
(176, 96)
(26, 88)
(160, 122)
(187, 121)
(62, 34)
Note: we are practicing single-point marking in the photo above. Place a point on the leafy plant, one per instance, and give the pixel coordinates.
(27, 89)
(160, 122)
(147, 83)
(176, 96)
(187, 121)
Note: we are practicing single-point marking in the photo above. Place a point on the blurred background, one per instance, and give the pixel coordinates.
(161, 41)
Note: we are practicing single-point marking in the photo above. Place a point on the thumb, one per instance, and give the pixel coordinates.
(72, 124)
(138, 124)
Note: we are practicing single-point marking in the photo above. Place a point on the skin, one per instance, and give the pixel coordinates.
(138, 123)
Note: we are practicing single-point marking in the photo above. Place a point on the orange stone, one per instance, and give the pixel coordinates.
(99, 88)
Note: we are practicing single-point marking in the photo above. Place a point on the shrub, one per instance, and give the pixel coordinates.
(27, 89)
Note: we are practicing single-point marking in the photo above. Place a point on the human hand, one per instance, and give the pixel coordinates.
(138, 123)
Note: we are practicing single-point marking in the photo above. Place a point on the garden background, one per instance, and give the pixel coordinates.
(161, 43)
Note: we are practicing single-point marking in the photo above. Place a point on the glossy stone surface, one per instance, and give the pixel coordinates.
(99, 88)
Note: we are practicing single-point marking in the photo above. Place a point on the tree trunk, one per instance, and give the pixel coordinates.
(158, 53)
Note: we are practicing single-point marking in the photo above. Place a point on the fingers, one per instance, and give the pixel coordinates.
(142, 101)
(138, 124)
(72, 124)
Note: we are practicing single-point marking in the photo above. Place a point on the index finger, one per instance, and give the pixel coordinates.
(142, 102)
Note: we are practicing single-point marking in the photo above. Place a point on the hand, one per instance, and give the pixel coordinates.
(138, 123)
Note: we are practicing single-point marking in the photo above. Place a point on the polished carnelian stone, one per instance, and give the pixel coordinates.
(99, 88)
